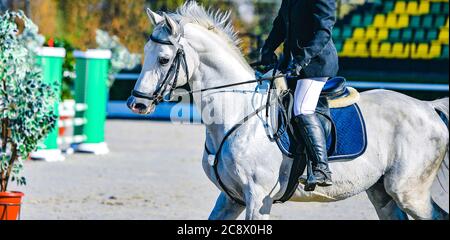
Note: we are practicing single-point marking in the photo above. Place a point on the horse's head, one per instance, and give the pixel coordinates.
(169, 63)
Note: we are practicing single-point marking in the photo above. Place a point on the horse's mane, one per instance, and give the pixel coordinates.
(217, 21)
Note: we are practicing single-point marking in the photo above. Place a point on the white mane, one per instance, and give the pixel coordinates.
(216, 21)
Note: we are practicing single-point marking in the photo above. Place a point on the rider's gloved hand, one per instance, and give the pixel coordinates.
(298, 65)
(268, 57)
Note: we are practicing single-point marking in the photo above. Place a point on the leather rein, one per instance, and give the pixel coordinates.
(171, 85)
(174, 70)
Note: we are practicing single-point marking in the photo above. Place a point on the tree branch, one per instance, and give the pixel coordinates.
(4, 136)
(11, 164)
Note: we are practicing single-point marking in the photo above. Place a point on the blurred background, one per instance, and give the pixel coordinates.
(396, 44)
(401, 45)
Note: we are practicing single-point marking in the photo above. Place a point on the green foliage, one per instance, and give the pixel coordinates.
(27, 111)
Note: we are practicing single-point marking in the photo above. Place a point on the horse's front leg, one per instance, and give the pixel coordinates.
(259, 204)
(226, 209)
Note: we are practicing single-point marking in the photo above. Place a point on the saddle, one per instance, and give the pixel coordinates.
(341, 119)
(340, 116)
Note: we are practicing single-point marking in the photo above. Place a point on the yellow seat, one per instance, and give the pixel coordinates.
(379, 20)
(412, 8)
(359, 33)
(391, 21)
(361, 49)
(349, 49)
(421, 51)
(374, 49)
(424, 7)
(400, 7)
(403, 21)
(385, 50)
(400, 50)
(435, 51)
(383, 34)
(444, 36)
(406, 51)
(397, 50)
(371, 33)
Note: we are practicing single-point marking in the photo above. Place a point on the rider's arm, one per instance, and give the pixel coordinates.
(276, 36)
(324, 18)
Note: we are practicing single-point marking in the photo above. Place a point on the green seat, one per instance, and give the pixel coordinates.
(432, 35)
(338, 45)
(336, 33)
(394, 35)
(407, 35)
(445, 52)
(356, 21)
(415, 22)
(419, 36)
(388, 6)
(377, 2)
(427, 21)
(347, 32)
(368, 20)
(436, 8)
(445, 8)
(440, 21)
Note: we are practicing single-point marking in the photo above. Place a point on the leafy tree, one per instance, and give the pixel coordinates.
(27, 111)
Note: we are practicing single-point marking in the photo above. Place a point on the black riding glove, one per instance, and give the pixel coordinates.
(295, 69)
(268, 57)
(297, 66)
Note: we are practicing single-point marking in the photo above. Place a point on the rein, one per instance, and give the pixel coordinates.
(180, 58)
(158, 97)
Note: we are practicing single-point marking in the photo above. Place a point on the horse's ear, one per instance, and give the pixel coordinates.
(171, 24)
(154, 17)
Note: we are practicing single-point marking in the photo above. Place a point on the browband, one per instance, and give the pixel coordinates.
(160, 41)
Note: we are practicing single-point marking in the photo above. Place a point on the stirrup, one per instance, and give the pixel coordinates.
(309, 186)
(325, 180)
(310, 181)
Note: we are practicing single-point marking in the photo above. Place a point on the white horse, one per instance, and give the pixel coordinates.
(407, 140)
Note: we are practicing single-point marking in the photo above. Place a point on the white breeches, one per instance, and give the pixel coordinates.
(307, 95)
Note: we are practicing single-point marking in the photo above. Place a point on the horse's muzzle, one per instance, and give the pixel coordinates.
(140, 106)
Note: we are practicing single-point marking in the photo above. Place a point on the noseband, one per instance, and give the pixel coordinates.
(180, 58)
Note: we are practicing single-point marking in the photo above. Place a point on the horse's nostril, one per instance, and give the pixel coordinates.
(140, 106)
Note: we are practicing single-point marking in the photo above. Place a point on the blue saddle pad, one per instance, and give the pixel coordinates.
(350, 139)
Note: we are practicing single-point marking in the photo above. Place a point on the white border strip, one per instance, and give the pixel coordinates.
(51, 52)
(93, 54)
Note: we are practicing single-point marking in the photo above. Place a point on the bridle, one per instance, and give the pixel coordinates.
(174, 70)
(180, 59)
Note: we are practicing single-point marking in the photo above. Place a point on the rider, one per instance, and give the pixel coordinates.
(305, 27)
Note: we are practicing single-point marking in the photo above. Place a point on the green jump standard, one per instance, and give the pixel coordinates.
(51, 60)
(91, 89)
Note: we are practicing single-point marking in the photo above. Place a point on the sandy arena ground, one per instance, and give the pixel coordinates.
(153, 172)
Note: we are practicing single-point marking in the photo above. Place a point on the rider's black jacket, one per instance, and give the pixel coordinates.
(305, 27)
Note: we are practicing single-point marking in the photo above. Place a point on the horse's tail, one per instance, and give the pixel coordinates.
(441, 106)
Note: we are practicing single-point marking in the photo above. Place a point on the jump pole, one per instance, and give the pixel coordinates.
(51, 61)
(91, 89)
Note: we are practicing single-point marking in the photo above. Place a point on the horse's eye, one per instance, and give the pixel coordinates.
(163, 60)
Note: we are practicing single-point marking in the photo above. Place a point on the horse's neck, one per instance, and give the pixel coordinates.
(222, 109)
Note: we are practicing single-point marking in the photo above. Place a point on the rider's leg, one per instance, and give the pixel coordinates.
(307, 96)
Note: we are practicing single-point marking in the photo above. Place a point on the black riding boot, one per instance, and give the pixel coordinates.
(313, 135)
